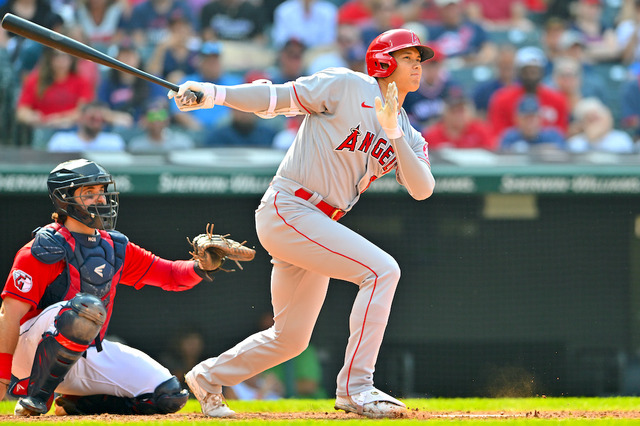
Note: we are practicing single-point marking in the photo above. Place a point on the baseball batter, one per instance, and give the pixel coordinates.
(349, 138)
(58, 299)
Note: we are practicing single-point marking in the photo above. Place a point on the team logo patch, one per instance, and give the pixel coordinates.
(22, 280)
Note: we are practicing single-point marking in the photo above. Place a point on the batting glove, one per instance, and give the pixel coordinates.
(388, 113)
(186, 99)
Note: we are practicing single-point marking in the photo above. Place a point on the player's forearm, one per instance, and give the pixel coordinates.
(178, 275)
(256, 97)
(415, 174)
(9, 332)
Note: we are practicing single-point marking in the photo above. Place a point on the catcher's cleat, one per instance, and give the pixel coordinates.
(27, 409)
(372, 403)
(212, 404)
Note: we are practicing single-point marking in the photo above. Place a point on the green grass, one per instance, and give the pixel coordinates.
(438, 406)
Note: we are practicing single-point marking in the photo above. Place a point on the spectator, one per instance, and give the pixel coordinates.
(560, 9)
(596, 132)
(8, 92)
(90, 135)
(552, 32)
(627, 33)
(459, 127)
(148, 24)
(529, 134)
(504, 75)
(348, 52)
(425, 106)
(457, 37)
(158, 136)
(36, 11)
(498, 15)
(244, 130)
(572, 46)
(125, 94)
(264, 386)
(289, 65)
(52, 95)
(285, 137)
(630, 106)
(567, 79)
(176, 55)
(186, 350)
(99, 20)
(600, 38)
(24, 53)
(554, 109)
(234, 20)
(199, 122)
(313, 22)
(384, 16)
(360, 13)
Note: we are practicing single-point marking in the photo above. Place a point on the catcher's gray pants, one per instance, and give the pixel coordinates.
(307, 249)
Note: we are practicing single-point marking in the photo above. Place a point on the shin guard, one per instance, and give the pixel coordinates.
(77, 326)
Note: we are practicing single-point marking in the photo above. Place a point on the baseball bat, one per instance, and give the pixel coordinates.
(53, 39)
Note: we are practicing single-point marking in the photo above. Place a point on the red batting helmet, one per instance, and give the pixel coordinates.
(380, 48)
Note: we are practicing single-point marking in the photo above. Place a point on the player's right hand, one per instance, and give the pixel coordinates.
(186, 99)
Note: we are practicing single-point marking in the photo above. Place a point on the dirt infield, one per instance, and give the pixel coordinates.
(338, 415)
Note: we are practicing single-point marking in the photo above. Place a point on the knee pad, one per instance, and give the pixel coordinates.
(169, 396)
(81, 320)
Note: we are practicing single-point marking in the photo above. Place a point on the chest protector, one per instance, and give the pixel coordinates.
(93, 264)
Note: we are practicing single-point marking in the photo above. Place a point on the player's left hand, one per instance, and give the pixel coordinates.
(388, 113)
(186, 99)
(211, 250)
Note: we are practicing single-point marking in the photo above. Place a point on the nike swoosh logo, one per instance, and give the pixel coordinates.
(363, 105)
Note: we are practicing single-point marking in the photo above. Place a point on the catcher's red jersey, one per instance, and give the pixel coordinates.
(29, 277)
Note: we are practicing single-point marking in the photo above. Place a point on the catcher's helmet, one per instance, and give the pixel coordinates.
(378, 53)
(66, 177)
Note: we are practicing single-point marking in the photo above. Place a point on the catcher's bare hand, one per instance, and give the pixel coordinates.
(211, 250)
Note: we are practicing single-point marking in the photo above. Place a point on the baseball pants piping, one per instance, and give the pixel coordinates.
(307, 249)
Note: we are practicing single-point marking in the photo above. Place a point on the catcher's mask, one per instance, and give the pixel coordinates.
(67, 177)
(378, 59)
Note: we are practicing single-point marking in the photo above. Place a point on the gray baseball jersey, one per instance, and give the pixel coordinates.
(341, 147)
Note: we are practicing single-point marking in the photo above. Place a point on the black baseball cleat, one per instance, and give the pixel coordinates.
(29, 406)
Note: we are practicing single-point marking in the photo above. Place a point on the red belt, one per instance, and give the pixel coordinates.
(326, 208)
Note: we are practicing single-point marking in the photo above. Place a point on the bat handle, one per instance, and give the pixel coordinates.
(176, 88)
(197, 94)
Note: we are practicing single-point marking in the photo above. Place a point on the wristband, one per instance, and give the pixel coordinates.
(396, 133)
(5, 365)
(221, 94)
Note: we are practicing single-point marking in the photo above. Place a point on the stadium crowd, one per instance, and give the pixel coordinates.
(508, 75)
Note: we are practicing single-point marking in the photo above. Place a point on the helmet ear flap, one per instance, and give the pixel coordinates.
(380, 48)
(381, 64)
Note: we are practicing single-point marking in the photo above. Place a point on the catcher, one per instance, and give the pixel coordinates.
(58, 299)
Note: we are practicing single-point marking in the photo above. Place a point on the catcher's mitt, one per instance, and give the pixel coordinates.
(211, 250)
